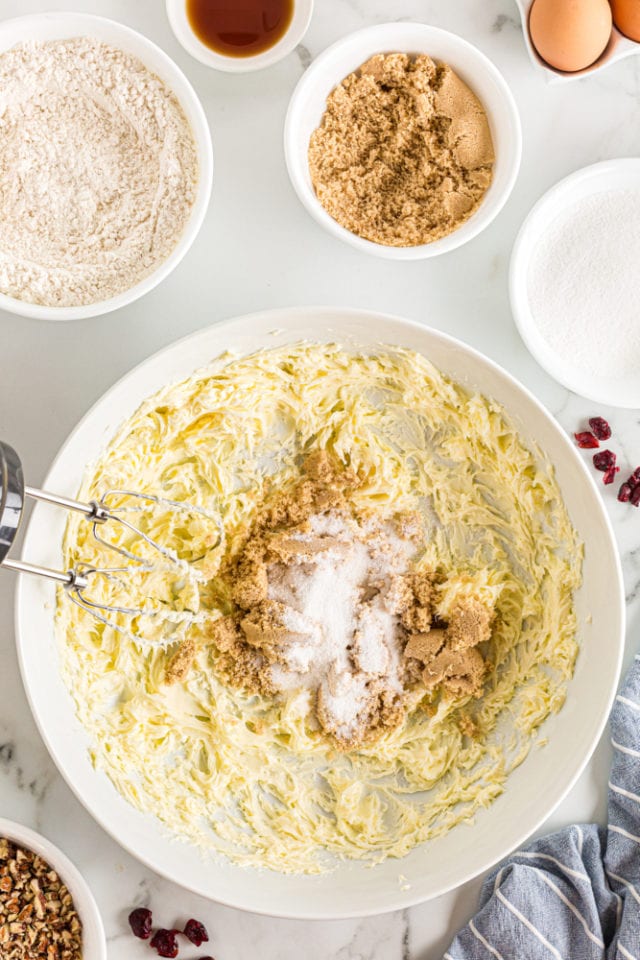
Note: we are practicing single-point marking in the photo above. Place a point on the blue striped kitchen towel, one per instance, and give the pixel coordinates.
(574, 895)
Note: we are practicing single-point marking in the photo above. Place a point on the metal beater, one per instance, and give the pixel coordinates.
(77, 581)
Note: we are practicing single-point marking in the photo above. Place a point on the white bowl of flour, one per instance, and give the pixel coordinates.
(106, 166)
(575, 282)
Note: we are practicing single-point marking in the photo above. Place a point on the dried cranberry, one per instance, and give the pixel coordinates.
(195, 932)
(635, 496)
(604, 459)
(610, 474)
(164, 941)
(624, 493)
(140, 921)
(634, 479)
(600, 427)
(586, 440)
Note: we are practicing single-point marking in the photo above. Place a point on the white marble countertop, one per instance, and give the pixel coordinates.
(260, 249)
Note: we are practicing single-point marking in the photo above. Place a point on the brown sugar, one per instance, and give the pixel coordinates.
(425, 646)
(460, 672)
(250, 583)
(469, 625)
(417, 614)
(237, 663)
(224, 633)
(450, 656)
(403, 154)
(180, 663)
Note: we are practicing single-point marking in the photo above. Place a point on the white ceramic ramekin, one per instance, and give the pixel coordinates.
(309, 101)
(609, 175)
(58, 26)
(177, 14)
(94, 944)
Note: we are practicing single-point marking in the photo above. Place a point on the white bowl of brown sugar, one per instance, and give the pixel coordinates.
(403, 140)
(44, 900)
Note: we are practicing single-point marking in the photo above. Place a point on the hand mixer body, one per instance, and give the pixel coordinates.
(13, 493)
(11, 497)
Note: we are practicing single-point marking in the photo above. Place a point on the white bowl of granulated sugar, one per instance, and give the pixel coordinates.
(106, 166)
(574, 287)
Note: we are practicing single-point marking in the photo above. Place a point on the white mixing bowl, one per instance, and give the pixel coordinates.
(61, 26)
(309, 101)
(532, 791)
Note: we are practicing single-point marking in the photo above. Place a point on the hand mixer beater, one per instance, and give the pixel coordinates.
(114, 507)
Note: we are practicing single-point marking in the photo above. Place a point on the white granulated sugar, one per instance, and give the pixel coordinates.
(584, 284)
(98, 171)
(341, 608)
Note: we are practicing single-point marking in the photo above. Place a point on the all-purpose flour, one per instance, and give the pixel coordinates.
(98, 171)
(584, 284)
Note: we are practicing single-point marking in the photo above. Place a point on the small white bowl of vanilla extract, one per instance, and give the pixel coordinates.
(240, 36)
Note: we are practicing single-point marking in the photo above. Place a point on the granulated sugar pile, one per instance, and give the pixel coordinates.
(341, 601)
(98, 172)
(583, 287)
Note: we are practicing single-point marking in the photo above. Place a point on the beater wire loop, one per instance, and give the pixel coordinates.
(169, 620)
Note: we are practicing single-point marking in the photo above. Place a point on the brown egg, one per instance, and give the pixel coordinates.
(570, 34)
(626, 16)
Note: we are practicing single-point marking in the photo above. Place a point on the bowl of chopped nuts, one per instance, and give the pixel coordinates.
(46, 907)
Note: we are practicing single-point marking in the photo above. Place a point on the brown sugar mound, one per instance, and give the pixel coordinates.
(404, 154)
(469, 625)
(449, 656)
(180, 663)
